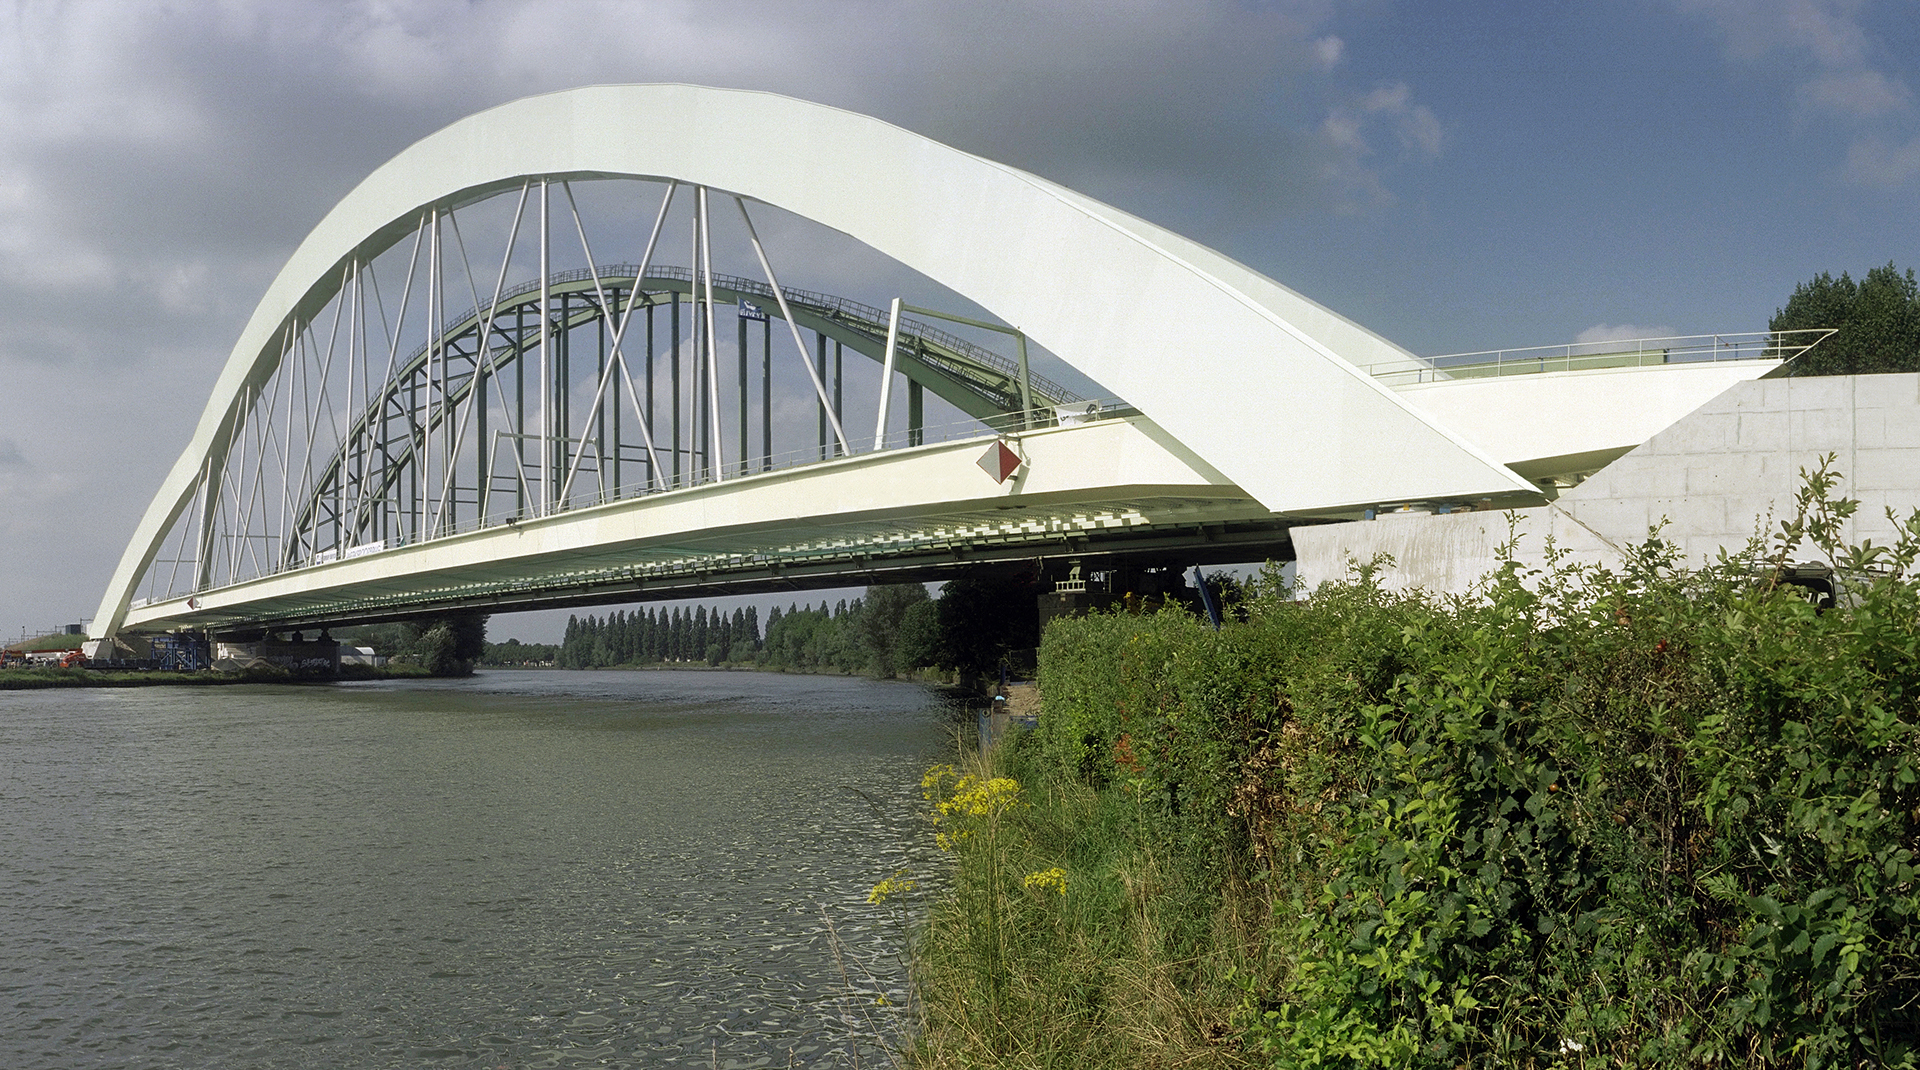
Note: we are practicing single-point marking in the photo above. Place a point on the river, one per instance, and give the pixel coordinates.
(519, 869)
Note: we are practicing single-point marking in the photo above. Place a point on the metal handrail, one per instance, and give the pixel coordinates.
(1611, 353)
(843, 548)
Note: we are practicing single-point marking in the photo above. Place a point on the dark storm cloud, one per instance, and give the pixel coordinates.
(1183, 106)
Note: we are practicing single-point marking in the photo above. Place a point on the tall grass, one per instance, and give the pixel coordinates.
(1062, 941)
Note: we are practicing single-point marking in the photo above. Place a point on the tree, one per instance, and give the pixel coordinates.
(880, 624)
(985, 614)
(434, 651)
(450, 644)
(469, 638)
(920, 635)
(792, 640)
(1877, 321)
(447, 644)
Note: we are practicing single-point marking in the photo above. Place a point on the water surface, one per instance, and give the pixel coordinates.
(522, 869)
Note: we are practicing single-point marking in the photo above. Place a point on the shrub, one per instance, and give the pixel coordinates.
(1652, 817)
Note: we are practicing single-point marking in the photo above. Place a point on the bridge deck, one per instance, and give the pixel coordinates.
(1108, 487)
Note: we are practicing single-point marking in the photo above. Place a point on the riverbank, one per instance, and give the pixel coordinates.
(929, 676)
(39, 679)
(1660, 819)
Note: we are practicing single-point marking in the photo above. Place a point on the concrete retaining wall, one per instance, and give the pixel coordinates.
(1714, 479)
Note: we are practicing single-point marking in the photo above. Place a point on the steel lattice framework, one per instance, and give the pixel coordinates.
(366, 495)
(352, 446)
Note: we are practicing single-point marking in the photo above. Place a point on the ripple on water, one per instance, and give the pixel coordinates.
(522, 869)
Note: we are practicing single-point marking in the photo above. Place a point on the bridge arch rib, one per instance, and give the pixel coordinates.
(1255, 380)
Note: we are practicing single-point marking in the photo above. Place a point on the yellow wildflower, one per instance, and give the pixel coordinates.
(930, 784)
(894, 885)
(1054, 880)
(975, 797)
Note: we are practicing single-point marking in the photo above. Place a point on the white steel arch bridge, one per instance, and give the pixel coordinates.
(445, 400)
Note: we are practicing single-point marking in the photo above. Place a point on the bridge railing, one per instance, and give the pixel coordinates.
(1613, 353)
(833, 549)
(898, 438)
(1080, 412)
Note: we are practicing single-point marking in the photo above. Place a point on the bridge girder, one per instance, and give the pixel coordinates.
(1111, 489)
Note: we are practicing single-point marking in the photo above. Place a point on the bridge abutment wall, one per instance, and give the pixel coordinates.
(1724, 473)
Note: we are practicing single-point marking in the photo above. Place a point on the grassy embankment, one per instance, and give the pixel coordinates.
(40, 644)
(1659, 818)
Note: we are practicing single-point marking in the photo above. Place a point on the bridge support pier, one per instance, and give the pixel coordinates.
(295, 653)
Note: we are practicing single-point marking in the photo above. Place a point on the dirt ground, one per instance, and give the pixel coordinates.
(1023, 700)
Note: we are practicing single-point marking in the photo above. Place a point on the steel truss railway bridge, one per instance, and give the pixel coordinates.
(446, 401)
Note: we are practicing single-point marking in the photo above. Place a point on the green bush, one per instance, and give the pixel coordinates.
(1653, 817)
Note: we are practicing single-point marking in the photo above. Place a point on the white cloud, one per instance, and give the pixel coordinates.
(1874, 162)
(1413, 124)
(1420, 129)
(1608, 332)
(1829, 31)
(1346, 131)
(1328, 51)
(1844, 83)
(1862, 94)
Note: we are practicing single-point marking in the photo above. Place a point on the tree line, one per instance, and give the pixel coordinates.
(893, 628)
(649, 636)
(515, 652)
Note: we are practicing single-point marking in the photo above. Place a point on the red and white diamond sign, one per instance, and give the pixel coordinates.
(999, 462)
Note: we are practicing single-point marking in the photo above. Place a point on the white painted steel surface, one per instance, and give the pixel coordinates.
(1252, 377)
(1116, 472)
(1561, 423)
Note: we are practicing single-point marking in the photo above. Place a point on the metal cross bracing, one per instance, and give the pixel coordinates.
(981, 384)
(577, 386)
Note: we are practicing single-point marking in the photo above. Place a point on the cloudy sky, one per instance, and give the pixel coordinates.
(1454, 176)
